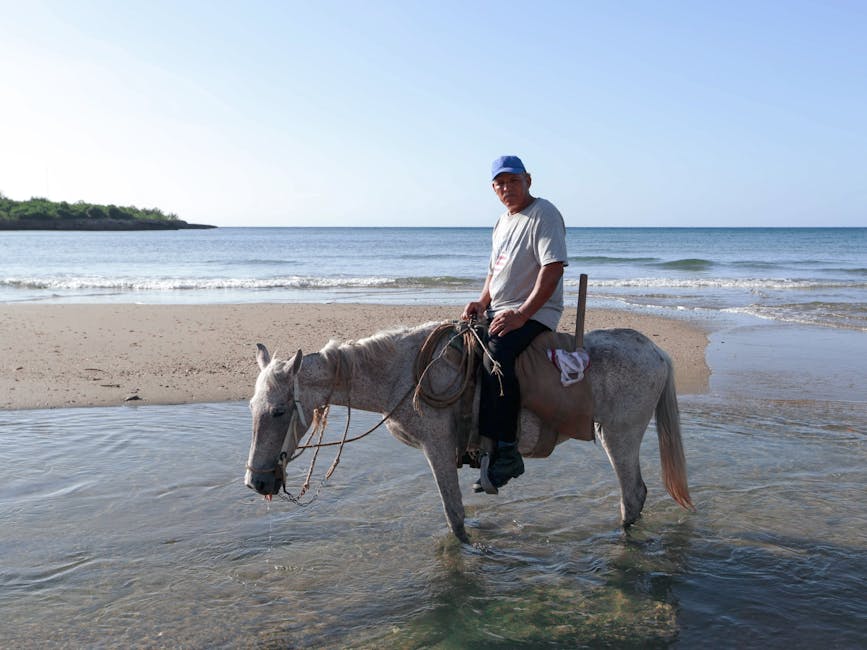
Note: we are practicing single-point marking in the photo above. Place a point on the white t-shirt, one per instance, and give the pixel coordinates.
(522, 244)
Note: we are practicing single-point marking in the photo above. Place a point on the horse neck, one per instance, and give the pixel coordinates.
(337, 378)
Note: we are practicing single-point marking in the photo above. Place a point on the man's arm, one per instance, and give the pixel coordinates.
(546, 283)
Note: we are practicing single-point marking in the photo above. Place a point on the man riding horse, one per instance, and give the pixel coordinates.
(522, 297)
(633, 379)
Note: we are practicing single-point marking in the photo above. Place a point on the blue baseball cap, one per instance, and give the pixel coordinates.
(507, 164)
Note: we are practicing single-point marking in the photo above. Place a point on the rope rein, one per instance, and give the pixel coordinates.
(423, 363)
(425, 360)
(320, 423)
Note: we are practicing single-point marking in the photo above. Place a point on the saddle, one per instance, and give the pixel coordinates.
(563, 411)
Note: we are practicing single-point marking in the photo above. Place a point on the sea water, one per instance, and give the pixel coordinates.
(131, 525)
(796, 275)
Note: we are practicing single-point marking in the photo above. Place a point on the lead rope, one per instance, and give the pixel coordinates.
(337, 378)
(496, 368)
(320, 422)
(471, 342)
(320, 419)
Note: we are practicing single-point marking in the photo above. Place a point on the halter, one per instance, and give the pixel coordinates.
(279, 469)
(297, 414)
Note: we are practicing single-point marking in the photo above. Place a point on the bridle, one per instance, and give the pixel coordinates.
(321, 421)
(297, 413)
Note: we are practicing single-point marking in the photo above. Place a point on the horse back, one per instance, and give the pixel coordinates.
(627, 369)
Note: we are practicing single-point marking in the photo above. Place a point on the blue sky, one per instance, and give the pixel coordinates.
(389, 113)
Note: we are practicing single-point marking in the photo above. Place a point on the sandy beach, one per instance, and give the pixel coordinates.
(99, 355)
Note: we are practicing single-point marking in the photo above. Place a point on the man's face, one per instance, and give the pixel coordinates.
(513, 190)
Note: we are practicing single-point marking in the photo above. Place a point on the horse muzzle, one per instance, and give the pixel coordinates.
(265, 481)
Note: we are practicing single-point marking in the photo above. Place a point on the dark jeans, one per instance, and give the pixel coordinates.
(498, 416)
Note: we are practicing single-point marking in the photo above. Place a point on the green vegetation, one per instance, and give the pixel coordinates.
(42, 214)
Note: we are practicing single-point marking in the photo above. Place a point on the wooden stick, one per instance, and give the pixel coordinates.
(582, 305)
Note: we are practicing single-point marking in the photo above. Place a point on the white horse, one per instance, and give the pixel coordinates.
(631, 378)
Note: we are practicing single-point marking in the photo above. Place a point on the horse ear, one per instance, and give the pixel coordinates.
(262, 356)
(296, 366)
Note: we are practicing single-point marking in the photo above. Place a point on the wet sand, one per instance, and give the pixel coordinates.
(100, 355)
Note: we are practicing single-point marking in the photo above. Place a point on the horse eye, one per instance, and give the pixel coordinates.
(278, 411)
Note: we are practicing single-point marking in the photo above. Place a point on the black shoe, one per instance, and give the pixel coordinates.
(507, 465)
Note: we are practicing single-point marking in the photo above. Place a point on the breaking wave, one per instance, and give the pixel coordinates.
(210, 284)
(749, 284)
(851, 316)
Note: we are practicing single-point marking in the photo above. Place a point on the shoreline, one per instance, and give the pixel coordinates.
(85, 355)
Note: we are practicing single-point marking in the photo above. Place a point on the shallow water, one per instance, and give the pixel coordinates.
(131, 526)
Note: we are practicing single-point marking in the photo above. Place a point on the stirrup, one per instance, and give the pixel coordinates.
(485, 479)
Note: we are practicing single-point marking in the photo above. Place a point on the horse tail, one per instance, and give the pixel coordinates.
(670, 445)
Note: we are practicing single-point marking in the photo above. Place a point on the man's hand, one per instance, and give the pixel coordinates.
(474, 309)
(506, 321)
(546, 282)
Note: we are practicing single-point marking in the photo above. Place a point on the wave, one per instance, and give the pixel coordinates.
(828, 314)
(688, 264)
(255, 262)
(604, 259)
(754, 264)
(211, 284)
(816, 266)
(79, 283)
(837, 315)
(699, 264)
(696, 264)
(447, 255)
(748, 284)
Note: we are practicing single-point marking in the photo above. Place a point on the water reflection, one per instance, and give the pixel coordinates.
(132, 525)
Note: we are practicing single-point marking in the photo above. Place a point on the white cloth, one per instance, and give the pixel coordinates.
(570, 364)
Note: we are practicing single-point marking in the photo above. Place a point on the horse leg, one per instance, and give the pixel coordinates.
(442, 463)
(622, 448)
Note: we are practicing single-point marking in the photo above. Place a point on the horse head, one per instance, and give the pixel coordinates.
(279, 421)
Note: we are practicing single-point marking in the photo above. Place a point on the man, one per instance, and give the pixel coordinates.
(523, 297)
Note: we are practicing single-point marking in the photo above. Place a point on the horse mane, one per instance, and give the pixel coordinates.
(345, 357)
(377, 348)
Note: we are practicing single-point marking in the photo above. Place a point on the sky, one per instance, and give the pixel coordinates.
(375, 113)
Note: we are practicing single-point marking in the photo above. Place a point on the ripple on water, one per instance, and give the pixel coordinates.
(134, 526)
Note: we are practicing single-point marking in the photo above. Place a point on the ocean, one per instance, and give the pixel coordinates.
(814, 276)
(131, 526)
